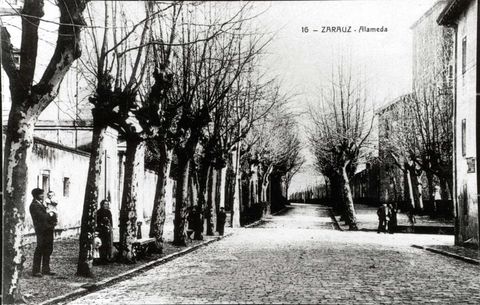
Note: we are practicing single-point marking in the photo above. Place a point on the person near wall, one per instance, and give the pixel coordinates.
(44, 224)
(221, 218)
(197, 223)
(105, 232)
(392, 215)
(382, 214)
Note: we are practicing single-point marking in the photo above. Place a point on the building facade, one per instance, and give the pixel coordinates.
(462, 16)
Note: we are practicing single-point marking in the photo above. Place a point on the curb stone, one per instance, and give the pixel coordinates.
(449, 254)
(88, 288)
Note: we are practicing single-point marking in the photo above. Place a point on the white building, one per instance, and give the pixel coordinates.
(462, 15)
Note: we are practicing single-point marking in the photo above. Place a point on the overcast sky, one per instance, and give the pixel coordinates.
(303, 60)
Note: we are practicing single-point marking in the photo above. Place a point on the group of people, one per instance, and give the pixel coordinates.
(195, 222)
(45, 217)
(387, 218)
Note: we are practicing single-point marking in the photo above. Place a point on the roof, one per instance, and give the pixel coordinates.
(430, 11)
(385, 107)
(452, 11)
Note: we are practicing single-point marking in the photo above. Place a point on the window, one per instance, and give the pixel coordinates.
(46, 181)
(66, 186)
(464, 137)
(464, 55)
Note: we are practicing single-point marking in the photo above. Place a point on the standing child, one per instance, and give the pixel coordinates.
(97, 243)
(51, 205)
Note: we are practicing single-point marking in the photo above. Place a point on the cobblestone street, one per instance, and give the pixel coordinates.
(298, 257)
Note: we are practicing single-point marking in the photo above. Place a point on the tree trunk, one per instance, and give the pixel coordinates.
(417, 189)
(90, 202)
(158, 213)
(18, 148)
(410, 189)
(27, 103)
(235, 218)
(128, 212)
(223, 180)
(179, 236)
(210, 212)
(348, 201)
(203, 176)
(431, 190)
(255, 185)
(265, 191)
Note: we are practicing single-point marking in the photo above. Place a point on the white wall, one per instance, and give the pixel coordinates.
(466, 187)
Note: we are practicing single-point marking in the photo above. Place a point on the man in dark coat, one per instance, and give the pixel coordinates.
(392, 223)
(44, 226)
(221, 218)
(197, 223)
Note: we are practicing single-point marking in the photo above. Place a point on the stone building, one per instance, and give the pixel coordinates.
(462, 16)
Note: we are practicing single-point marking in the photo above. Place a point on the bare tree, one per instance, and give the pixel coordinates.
(208, 62)
(273, 150)
(160, 114)
(340, 132)
(29, 99)
(397, 144)
(431, 107)
(420, 136)
(116, 70)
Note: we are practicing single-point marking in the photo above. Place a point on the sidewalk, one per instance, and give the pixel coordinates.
(466, 254)
(64, 263)
(367, 220)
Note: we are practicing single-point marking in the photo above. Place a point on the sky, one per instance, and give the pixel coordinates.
(303, 61)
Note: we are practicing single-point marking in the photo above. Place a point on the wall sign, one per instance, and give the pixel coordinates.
(471, 168)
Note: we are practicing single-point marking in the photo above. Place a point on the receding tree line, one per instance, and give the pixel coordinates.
(180, 83)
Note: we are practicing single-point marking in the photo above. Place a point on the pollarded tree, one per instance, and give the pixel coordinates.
(431, 107)
(29, 99)
(208, 61)
(114, 67)
(340, 131)
(274, 151)
(397, 147)
(232, 118)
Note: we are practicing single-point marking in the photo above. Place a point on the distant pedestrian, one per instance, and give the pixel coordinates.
(197, 223)
(105, 232)
(382, 214)
(411, 214)
(437, 196)
(392, 222)
(44, 224)
(221, 218)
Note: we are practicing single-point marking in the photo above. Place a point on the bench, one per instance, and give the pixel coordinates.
(140, 246)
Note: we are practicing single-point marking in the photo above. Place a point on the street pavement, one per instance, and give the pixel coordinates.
(297, 257)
